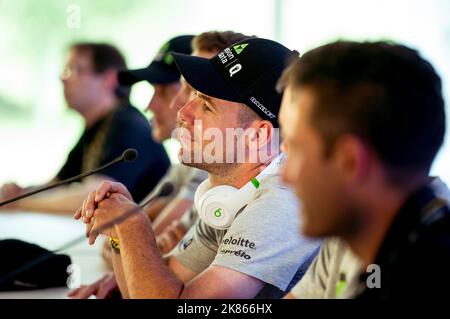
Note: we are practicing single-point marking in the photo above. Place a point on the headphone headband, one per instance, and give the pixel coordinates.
(218, 206)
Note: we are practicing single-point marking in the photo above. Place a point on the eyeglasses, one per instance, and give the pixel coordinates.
(70, 71)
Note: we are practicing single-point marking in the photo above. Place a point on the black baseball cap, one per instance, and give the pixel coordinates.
(162, 70)
(246, 72)
(50, 271)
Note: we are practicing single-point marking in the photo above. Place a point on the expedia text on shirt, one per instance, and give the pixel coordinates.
(240, 242)
(237, 253)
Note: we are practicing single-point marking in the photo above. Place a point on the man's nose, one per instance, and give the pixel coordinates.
(178, 102)
(152, 105)
(186, 112)
(63, 77)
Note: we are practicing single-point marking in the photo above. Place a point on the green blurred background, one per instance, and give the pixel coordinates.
(36, 128)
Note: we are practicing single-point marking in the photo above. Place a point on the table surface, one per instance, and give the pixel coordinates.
(52, 231)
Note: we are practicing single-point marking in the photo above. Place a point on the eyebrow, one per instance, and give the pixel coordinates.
(207, 99)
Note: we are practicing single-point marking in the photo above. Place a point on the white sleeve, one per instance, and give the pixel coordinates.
(314, 283)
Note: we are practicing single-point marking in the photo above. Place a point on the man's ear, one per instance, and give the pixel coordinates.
(352, 157)
(111, 79)
(262, 133)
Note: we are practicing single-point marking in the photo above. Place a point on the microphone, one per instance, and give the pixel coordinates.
(165, 190)
(128, 156)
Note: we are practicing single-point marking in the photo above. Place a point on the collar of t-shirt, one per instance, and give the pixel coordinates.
(421, 209)
(89, 132)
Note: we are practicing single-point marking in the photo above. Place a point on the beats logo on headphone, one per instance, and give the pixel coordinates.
(218, 206)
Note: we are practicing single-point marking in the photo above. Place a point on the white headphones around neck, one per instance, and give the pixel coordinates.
(218, 206)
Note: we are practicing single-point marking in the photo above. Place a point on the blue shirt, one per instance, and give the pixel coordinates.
(125, 128)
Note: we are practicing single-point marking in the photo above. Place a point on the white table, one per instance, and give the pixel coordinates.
(52, 232)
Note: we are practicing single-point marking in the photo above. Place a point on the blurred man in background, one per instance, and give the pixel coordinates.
(112, 125)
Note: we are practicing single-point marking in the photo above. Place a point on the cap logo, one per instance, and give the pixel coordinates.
(262, 108)
(168, 58)
(235, 69)
(240, 47)
(162, 53)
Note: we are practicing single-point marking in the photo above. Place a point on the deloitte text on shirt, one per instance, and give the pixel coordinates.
(238, 242)
(263, 241)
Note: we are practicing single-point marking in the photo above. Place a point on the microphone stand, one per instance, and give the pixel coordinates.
(69, 180)
(165, 190)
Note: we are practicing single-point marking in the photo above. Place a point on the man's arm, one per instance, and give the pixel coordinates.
(315, 281)
(173, 211)
(147, 275)
(156, 207)
(119, 274)
(63, 199)
(182, 273)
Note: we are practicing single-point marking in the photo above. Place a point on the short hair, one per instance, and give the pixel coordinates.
(382, 92)
(217, 40)
(246, 116)
(104, 57)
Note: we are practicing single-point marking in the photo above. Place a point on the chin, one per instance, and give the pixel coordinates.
(156, 135)
(164, 133)
(68, 101)
(310, 227)
(307, 231)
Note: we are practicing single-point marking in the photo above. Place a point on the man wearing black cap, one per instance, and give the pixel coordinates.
(173, 215)
(163, 75)
(246, 242)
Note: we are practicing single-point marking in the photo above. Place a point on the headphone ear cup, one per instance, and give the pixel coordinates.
(215, 207)
(200, 191)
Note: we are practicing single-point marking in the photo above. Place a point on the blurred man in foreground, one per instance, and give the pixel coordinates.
(362, 123)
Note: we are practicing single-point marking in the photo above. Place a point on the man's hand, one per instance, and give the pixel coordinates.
(170, 237)
(9, 191)
(104, 288)
(107, 210)
(105, 190)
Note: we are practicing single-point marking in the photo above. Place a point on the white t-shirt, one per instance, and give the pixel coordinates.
(263, 241)
(184, 180)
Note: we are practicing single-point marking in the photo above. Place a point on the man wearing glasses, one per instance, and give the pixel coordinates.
(112, 125)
